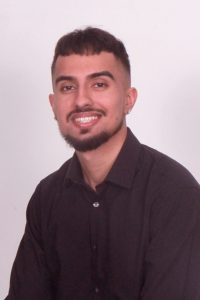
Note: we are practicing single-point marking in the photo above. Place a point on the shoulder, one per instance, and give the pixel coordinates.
(156, 166)
(170, 186)
(56, 178)
(173, 191)
(166, 170)
(49, 188)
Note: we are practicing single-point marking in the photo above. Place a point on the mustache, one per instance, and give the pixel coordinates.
(85, 109)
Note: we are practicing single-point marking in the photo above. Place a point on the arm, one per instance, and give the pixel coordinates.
(172, 264)
(30, 277)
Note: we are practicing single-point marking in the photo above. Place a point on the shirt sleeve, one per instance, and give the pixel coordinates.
(172, 263)
(30, 277)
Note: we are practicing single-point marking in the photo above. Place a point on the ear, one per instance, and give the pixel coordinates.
(52, 103)
(130, 100)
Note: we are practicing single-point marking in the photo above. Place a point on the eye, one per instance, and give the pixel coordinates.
(67, 88)
(100, 85)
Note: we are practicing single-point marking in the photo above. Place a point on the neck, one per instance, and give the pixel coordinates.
(97, 163)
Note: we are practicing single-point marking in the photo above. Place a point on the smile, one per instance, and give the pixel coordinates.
(84, 120)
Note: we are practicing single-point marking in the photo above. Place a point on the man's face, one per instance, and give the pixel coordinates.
(91, 98)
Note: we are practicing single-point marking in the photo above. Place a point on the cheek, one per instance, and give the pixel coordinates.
(62, 109)
(119, 105)
(61, 117)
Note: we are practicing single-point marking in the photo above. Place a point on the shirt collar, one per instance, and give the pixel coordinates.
(123, 169)
(125, 166)
(74, 171)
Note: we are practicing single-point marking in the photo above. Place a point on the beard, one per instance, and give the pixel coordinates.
(91, 143)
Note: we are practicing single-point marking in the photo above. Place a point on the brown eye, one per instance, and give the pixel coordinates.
(67, 88)
(100, 85)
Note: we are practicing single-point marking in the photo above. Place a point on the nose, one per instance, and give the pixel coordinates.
(83, 97)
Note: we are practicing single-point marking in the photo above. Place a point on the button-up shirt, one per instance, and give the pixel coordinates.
(137, 237)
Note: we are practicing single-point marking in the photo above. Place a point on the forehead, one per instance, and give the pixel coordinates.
(77, 65)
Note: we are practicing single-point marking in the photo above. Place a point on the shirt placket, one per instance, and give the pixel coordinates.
(94, 219)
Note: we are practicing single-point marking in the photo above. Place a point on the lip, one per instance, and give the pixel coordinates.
(85, 119)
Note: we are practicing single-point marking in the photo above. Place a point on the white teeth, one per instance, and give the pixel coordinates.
(86, 119)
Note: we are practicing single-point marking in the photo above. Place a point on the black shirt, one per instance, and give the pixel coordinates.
(136, 238)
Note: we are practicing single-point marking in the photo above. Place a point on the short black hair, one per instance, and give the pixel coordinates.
(88, 41)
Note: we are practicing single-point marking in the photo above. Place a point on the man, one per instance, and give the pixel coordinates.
(118, 220)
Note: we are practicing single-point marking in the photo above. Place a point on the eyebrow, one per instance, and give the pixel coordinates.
(90, 76)
(63, 78)
(102, 73)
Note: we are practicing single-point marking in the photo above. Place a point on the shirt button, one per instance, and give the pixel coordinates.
(96, 204)
(96, 290)
(94, 247)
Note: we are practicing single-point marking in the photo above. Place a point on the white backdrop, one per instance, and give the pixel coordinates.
(163, 41)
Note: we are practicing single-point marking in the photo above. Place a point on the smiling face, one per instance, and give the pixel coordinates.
(91, 98)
